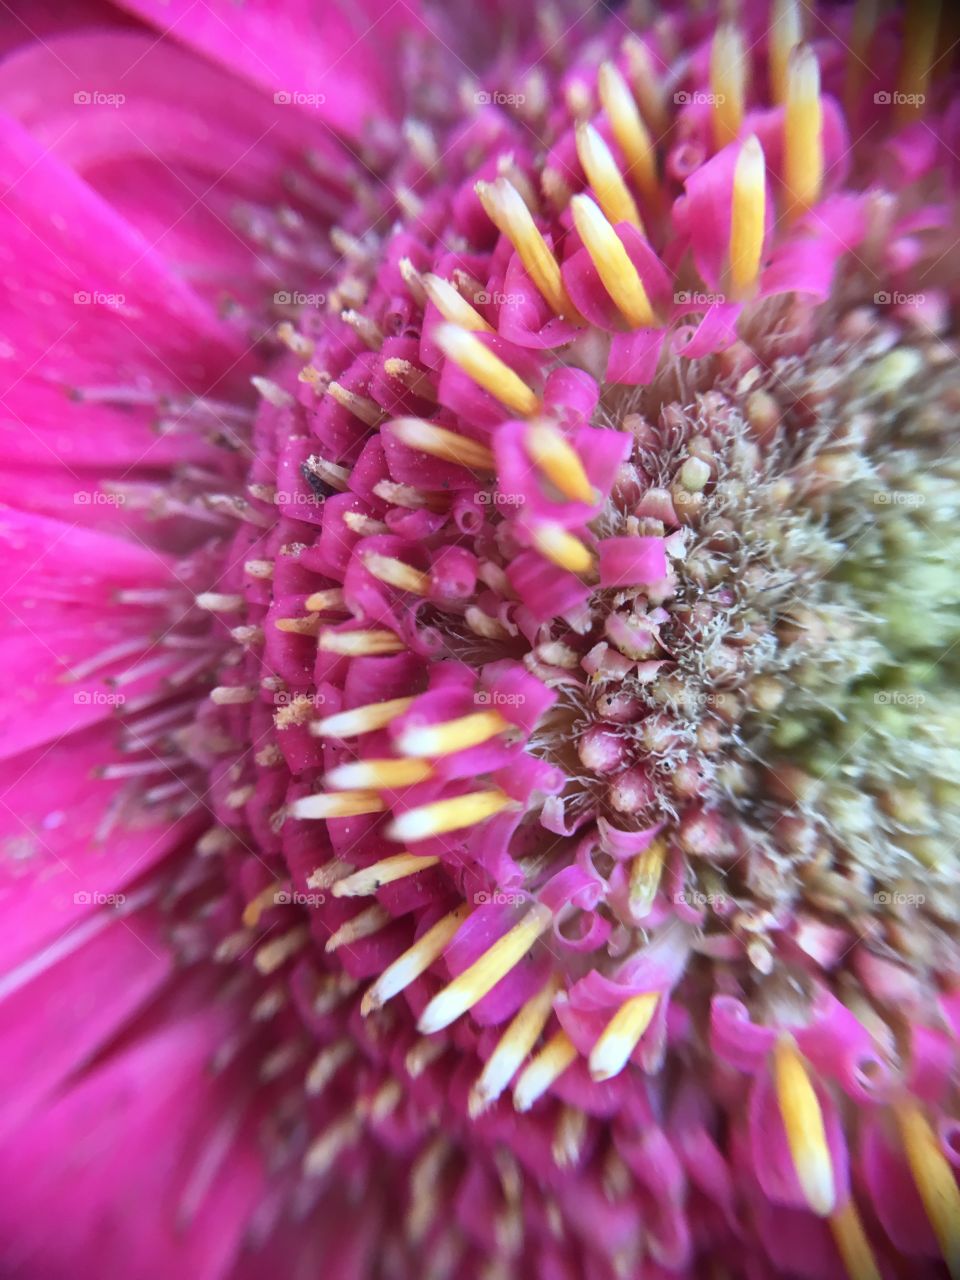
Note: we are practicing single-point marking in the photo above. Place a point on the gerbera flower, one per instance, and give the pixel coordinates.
(482, 760)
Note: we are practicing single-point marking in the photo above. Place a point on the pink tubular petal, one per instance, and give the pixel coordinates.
(630, 562)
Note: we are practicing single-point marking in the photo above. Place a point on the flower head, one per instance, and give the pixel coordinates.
(512, 763)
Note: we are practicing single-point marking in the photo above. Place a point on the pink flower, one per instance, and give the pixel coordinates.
(480, 736)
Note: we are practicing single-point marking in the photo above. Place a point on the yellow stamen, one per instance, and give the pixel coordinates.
(219, 601)
(342, 804)
(645, 871)
(786, 32)
(350, 724)
(395, 573)
(507, 211)
(442, 443)
(605, 177)
(361, 775)
(447, 815)
(326, 1065)
(852, 1244)
(484, 974)
(559, 461)
(361, 407)
(562, 548)
(360, 644)
(513, 1046)
(803, 1121)
(619, 1037)
(414, 961)
(369, 879)
(324, 1150)
(262, 569)
(619, 276)
(264, 900)
(271, 955)
(921, 24)
(232, 695)
(629, 130)
(647, 84)
(568, 1136)
(803, 131)
(747, 218)
(326, 601)
(298, 626)
(728, 69)
(443, 739)
(935, 1181)
(453, 306)
(368, 922)
(549, 1064)
(365, 525)
(486, 369)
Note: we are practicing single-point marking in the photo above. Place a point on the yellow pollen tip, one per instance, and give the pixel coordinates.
(447, 815)
(453, 306)
(506, 209)
(350, 724)
(414, 961)
(486, 369)
(786, 32)
(645, 871)
(803, 1121)
(265, 899)
(620, 1036)
(395, 573)
(852, 1244)
(619, 276)
(935, 1181)
(376, 774)
(368, 922)
(326, 601)
(803, 131)
(342, 804)
(368, 880)
(628, 128)
(559, 461)
(562, 548)
(539, 1074)
(747, 218)
(513, 1046)
(728, 63)
(441, 443)
(605, 178)
(484, 974)
(430, 740)
(360, 644)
